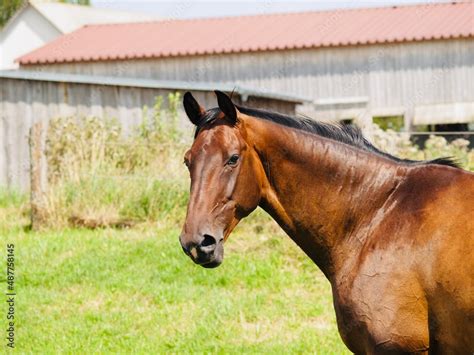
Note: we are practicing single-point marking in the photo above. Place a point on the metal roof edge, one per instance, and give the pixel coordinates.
(243, 91)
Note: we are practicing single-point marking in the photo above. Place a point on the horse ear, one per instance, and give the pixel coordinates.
(226, 105)
(192, 108)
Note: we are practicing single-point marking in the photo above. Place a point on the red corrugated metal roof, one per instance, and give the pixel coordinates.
(259, 33)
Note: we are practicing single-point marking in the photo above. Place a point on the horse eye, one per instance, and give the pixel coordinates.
(233, 160)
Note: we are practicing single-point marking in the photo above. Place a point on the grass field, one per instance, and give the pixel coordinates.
(134, 290)
(122, 291)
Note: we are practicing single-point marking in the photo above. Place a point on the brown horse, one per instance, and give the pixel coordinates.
(394, 237)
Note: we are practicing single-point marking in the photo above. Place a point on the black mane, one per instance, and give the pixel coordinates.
(343, 133)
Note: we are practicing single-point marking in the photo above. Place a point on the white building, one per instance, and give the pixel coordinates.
(38, 23)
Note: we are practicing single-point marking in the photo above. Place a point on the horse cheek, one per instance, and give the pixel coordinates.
(250, 192)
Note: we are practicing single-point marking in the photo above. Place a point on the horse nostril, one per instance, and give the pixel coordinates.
(208, 243)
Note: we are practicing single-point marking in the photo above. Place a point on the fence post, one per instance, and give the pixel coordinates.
(37, 172)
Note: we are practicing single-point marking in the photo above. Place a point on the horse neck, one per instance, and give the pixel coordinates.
(323, 193)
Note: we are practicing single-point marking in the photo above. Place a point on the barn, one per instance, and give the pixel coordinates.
(415, 62)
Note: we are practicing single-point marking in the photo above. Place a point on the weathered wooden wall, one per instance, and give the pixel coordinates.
(24, 102)
(393, 78)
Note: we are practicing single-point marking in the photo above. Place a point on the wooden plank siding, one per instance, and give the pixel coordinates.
(25, 102)
(394, 77)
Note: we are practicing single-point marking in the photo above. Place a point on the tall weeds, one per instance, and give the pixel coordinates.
(97, 172)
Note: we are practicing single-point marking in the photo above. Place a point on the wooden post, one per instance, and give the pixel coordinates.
(36, 175)
(408, 119)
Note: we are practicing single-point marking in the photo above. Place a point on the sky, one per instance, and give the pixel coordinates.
(178, 9)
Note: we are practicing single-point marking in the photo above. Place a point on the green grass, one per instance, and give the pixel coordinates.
(135, 291)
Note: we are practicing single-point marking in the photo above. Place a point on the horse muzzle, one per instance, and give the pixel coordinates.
(207, 252)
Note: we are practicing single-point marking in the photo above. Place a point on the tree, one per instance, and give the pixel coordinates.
(7, 9)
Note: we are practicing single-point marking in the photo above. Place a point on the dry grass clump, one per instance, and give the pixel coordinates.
(100, 221)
